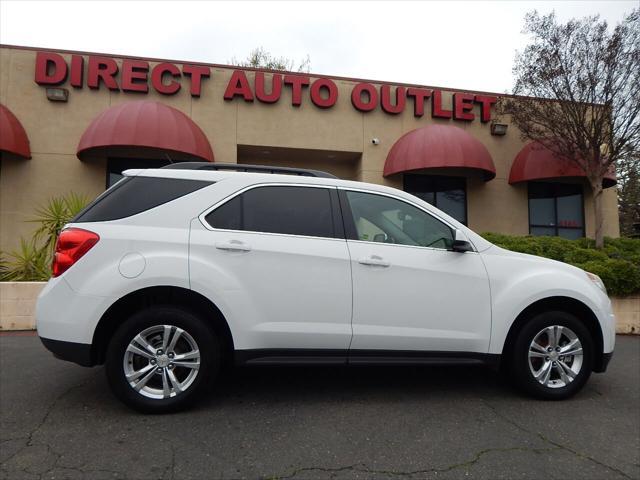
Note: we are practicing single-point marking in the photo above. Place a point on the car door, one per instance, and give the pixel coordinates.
(410, 291)
(276, 258)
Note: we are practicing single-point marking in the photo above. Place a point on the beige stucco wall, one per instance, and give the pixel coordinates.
(54, 130)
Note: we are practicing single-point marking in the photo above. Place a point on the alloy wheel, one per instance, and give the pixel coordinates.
(555, 356)
(161, 362)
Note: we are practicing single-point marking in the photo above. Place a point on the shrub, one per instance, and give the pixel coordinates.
(583, 255)
(618, 263)
(620, 276)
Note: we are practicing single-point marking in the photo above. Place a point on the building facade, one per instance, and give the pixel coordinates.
(73, 121)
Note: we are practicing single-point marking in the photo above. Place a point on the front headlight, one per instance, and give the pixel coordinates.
(598, 281)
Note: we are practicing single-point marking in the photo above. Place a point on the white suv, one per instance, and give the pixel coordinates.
(173, 272)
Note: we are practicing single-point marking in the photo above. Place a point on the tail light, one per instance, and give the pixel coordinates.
(72, 244)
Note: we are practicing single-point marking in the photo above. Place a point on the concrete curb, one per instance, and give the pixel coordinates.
(18, 305)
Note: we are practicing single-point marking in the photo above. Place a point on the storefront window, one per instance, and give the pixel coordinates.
(556, 209)
(115, 166)
(446, 193)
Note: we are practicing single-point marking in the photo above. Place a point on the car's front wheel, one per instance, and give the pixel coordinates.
(161, 359)
(552, 356)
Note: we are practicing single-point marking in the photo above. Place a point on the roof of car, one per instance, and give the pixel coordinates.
(250, 178)
(241, 167)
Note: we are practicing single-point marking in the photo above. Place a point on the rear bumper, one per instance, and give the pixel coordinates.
(79, 353)
(65, 315)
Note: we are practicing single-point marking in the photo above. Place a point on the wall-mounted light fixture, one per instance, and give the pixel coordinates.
(499, 129)
(58, 94)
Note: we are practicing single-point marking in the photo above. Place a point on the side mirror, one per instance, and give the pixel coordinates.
(460, 243)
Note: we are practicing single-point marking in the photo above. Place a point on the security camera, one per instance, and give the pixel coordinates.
(375, 141)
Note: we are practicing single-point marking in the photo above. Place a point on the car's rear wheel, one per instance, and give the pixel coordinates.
(552, 357)
(161, 359)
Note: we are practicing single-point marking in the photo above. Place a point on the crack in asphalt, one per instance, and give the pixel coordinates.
(50, 409)
(30, 442)
(5, 440)
(85, 471)
(362, 468)
(171, 468)
(561, 446)
(57, 466)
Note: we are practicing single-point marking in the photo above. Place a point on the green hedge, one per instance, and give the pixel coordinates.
(618, 263)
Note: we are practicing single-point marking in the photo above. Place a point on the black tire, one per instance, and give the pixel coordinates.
(521, 370)
(206, 342)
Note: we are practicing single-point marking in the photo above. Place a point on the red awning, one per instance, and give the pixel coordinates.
(13, 138)
(536, 162)
(145, 124)
(439, 146)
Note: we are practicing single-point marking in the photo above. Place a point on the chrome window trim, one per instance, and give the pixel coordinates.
(409, 246)
(221, 202)
(205, 224)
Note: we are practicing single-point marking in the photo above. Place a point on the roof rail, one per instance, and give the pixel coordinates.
(248, 168)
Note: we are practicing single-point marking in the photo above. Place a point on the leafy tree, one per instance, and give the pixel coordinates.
(592, 73)
(261, 58)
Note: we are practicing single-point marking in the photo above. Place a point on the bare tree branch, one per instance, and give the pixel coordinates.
(261, 58)
(577, 88)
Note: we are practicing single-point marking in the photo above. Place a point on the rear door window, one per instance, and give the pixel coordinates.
(294, 210)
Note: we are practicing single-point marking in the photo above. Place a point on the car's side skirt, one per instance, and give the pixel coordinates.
(307, 357)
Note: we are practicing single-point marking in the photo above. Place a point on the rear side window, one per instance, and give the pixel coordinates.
(133, 195)
(289, 210)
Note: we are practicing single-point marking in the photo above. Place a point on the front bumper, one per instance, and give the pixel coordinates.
(79, 353)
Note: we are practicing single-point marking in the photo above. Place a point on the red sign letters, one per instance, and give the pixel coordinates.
(166, 78)
(52, 69)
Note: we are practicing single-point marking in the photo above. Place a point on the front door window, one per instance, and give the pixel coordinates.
(378, 218)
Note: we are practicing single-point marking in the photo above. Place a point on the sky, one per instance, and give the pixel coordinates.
(456, 44)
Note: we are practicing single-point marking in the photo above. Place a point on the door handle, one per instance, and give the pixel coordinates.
(374, 260)
(233, 246)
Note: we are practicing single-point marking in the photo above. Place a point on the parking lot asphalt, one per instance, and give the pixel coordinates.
(59, 420)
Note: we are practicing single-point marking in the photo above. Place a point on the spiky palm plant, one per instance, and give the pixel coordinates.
(54, 215)
(28, 263)
(32, 260)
